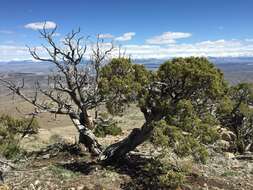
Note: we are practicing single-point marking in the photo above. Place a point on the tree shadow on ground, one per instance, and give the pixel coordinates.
(82, 167)
(141, 178)
(132, 166)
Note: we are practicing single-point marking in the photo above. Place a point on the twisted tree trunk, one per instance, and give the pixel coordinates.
(86, 136)
(114, 152)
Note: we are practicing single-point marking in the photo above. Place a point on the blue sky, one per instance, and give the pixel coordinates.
(145, 28)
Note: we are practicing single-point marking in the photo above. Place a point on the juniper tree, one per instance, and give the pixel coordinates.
(235, 112)
(178, 102)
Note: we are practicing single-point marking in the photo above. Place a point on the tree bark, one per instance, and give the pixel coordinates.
(86, 136)
(114, 152)
(88, 139)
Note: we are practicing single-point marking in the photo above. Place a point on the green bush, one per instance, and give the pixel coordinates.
(236, 114)
(164, 175)
(107, 127)
(172, 179)
(63, 173)
(12, 130)
(183, 102)
(10, 149)
(182, 143)
(14, 126)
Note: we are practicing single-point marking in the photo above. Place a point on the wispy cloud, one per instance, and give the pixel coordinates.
(40, 25)
(168, 38)
(218, 48)
(126, 36)
(106, 36)
(6, 32)
(10, 52)
(57, 34)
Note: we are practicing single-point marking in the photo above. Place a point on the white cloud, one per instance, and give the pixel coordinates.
(56, 34)
(249, 40)
(9, 42)
(6, 32)
(217, 48)
(15, 52)
(168, 38)
(106, 36)
(41, 25)
(11, 52)
(126, 36)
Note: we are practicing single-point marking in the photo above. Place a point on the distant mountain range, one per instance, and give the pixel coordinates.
(154, 63)
(25, 66)
(236, 69)
(44, 67)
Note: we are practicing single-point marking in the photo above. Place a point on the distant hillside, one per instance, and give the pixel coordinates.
(25, 67)
(236, 69)
(154, 63)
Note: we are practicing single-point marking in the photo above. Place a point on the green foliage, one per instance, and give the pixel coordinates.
(10, 148)
(121, 81)
(11, 132)
(235, 113)
(192, 78)
(229, 174)
(107, 127)
(181, 142)
(63, 173)
(190, 90)
(180, 99)
(13, 126)
(164, 174)
(171, 179)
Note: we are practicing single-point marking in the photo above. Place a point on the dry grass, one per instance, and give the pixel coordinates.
(61, 125)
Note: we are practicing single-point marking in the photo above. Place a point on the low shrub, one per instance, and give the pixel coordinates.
(183, 144)
(106, 126)
(12, 130)
(10, 149)
(63, 173)
(164, 174)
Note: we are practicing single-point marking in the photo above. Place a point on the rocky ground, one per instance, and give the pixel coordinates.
(225, 172)
(61, 166)
(57, 169)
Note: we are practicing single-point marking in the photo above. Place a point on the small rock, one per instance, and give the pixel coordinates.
(37, 182)
(229, 155)
(32, 187)
(205, 186)
(224, 145)
(46, 156)
(81, 187)
(4, 187)
(227, 135)
(186, 187)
